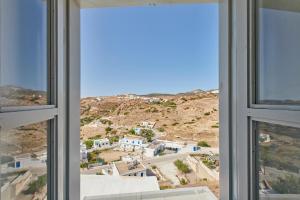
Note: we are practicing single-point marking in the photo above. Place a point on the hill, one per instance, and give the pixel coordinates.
(191, 116)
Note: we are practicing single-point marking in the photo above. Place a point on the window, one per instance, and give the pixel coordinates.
(277, 55)
(157, 71)
(277, 159)
(28, 101)
(270, 113)
(24, 158)
(24, 53)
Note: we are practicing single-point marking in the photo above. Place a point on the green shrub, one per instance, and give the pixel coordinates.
(183, 181)
(132, 131)
(184, 168)
(83, 165)
(153, 167)
(89, 144)
(161, 129)
(203, 144)
(148, 134)
(215, 126)
(207, 113)
(37, 185)
(170, 104)
(290, 184)
(209, 164)
(165, 187)
(108, 129)
(114, 139)
(96, 137)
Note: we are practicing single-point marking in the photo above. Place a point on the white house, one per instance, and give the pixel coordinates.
(147, 124)
(264, 138)
(154, 148)
(132, 142)
(101, 143)
(133, 168)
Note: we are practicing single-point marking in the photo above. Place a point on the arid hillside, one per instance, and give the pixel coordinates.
(192, 116)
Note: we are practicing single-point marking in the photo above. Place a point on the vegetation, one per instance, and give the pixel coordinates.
(154, 167)
(131, 131)
(86, 120)
(184, 168)
(108, 129)
(175, 123)
(148, 134)
(215, 126)
(170, 104)
(93, 158)
(288, 185)
(207, 113)
(209, 164)
(203, 144)
(106, 121)
(37, 184)
(84, 165)
(165, 187)
(183, 181)
(152, 110)
(114, 139)
(161, 129)
(89, 144)
(96, 137)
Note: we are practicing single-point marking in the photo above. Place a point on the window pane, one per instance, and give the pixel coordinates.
(278, 47)
(23, 52)
(24, 162)
(278, 161)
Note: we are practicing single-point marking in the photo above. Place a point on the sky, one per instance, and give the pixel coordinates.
(23, 44)
(141, 50)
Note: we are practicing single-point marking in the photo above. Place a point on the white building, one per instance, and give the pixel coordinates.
(180, 147)
(94, 185)
(147, 124)
(153, 149)
(133, 168)
(132, 142)
(264, 138)
(101, 143)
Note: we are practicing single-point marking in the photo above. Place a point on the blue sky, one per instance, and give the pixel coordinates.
(24, 44)
(167, 49)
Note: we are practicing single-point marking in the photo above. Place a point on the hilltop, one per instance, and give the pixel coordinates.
(190, 116)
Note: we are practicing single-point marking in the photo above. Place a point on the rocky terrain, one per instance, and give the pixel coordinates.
(191, 116)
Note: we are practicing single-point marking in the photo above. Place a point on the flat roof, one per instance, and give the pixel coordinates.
(123, 167)
(197, 193)
(95, 185)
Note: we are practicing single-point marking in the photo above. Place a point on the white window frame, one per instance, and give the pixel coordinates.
(246, 112)
(73, 59)
(54, 113)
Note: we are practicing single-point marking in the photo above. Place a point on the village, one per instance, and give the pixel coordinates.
(141, 155)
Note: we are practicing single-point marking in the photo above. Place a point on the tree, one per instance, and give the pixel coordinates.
(148, 134)
(89, 144)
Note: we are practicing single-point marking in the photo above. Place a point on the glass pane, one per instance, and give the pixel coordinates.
(24, 162)
(278, 47)
(23, 52)
(278, 161)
